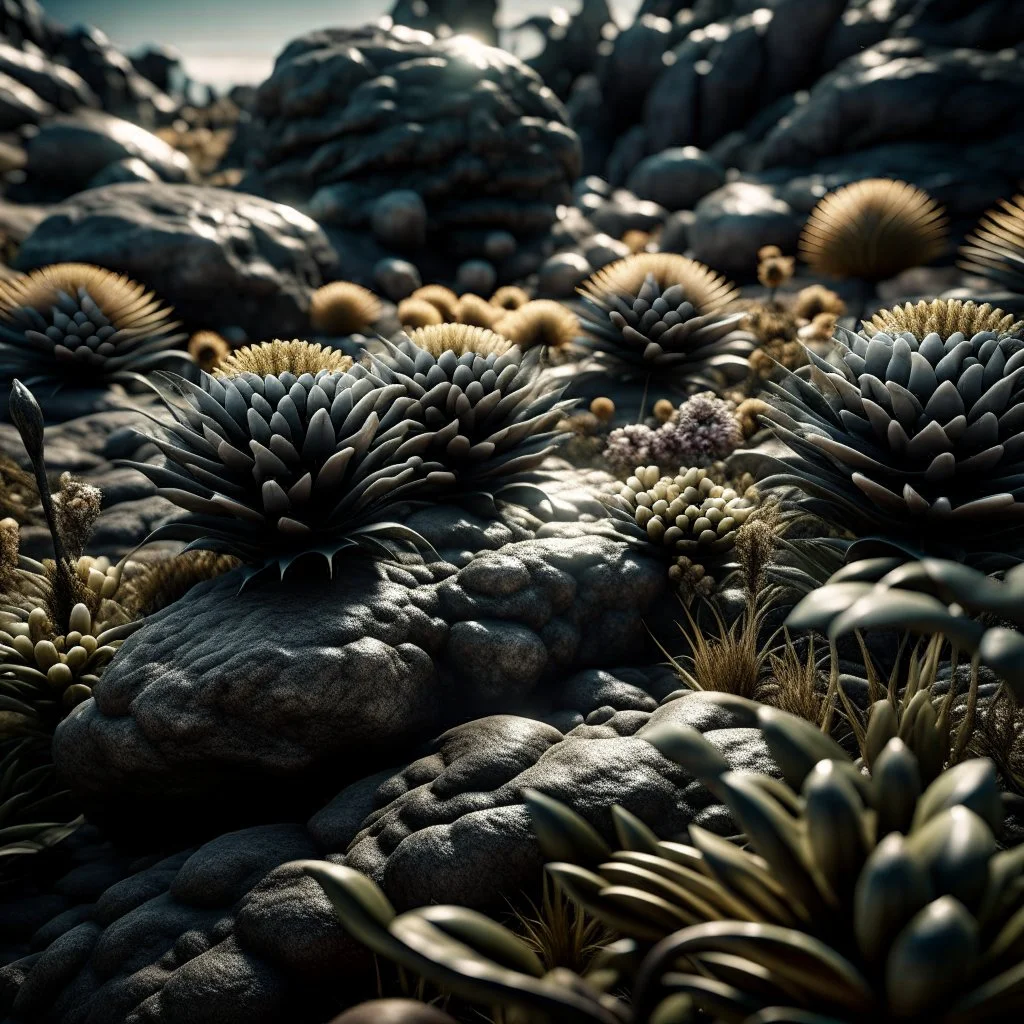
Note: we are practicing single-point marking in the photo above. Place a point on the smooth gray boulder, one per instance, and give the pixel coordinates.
(676, 178)
(220, 258)
(53, 83)
(234, 930)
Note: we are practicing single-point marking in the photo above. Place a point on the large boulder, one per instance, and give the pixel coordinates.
(221, 259)
(53, 83)
(232, 721)
(235, 930)
(348, 116)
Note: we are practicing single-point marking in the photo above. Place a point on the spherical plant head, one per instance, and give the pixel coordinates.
(443, 299)
(76, 325)
(663, 410)
(291, 458)
(342, 308)
(541, 323)
(815, 299)
(702, 430)
(688, 513)
(995, 249)
(873, 229)
(916, 436)
(479, 400)
(636, 240)
(603, 408)
(509, 297)
(208, 349)
(659, 313)
(477, 312)
(630, 446)
(279, 357)
(775, 270)
(413, 313)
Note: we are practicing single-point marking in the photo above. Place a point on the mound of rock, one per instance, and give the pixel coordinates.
(221, 259)
(348, 118)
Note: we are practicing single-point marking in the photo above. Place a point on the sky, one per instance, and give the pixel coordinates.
(224, 42)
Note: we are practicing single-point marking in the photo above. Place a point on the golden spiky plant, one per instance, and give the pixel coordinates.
(541, 322)
(208, 349)
(995, 249)
(444, 300)
(873, 229)
(413, 313)
(510, 297)
(477, 312)
(943, 317)
(342, 308)
(77, 325)
(277, 357)
(460, 339)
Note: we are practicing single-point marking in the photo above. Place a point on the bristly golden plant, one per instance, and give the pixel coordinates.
(460, 339)
(162, 583)
(709, 292)
(796, 685)
(943, 317)
(413, 313)
(18, 495)
(995, 249)
(816, 299)
(277, 357)
(208, 349)
(478, 312)
(510, 297)
(443, 299)
(541, 322)
(873, 229)
(342, 308)
(773, 269)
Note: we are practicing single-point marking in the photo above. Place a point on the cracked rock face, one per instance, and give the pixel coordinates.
(232, 721)
(348, 116)
(235, 931)
(221, 259)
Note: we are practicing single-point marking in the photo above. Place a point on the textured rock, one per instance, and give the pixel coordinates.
(19, 105)
(733, 222)
(219, 258)
(276, 691)
(71, 150)
(676, 178)
(235, 931)
(560, 274)
(396, 278)
(131, 169)
(348, 116)
(53, 83)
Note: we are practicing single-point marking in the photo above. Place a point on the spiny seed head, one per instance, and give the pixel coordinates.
(460, 339)
(413, 313)
(541, 322)
(873, 229)
(81, 324)
(775, 271)
(208, 349)
(943, 317)
(443, 299)
(273, 358)
(342, 308)
(509, 297)
(77, 506)
(815, 299)
(663, 410)
(603, 408)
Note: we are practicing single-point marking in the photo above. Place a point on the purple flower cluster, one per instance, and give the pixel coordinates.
(702, 429)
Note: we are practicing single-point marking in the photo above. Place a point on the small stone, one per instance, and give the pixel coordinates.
(396, 278)
(560, 274)
(476, 276)
(499, 245)
(399, 219)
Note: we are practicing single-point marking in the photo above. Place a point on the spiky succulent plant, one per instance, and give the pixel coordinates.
(995, 249)
(74, 325)
(927, 596)
(855, 898)
(279, 461)
(915, 432)
(873, 229)
(661, 315)
(479, 402)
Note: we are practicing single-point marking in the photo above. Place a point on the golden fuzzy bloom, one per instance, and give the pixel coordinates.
(873, 229)
(509, 297)
(636, 240)
(707, 291)
(77, 507)
(460, 339)
(768, 252)
(342, 308)
(272, 358)
(775, 271)
(943, 317)
(821, 328)
(444, 299)
(208, 349)
(995, 248)
(478, 312)
(541, 322)
(603, 409)
(663, 410)
(413, 313)
(18, 493)
(771, 323)
(815, 299)
(8, 553)
(164, 582)
(748, 411)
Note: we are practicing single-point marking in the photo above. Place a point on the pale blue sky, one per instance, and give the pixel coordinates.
(226, 41)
